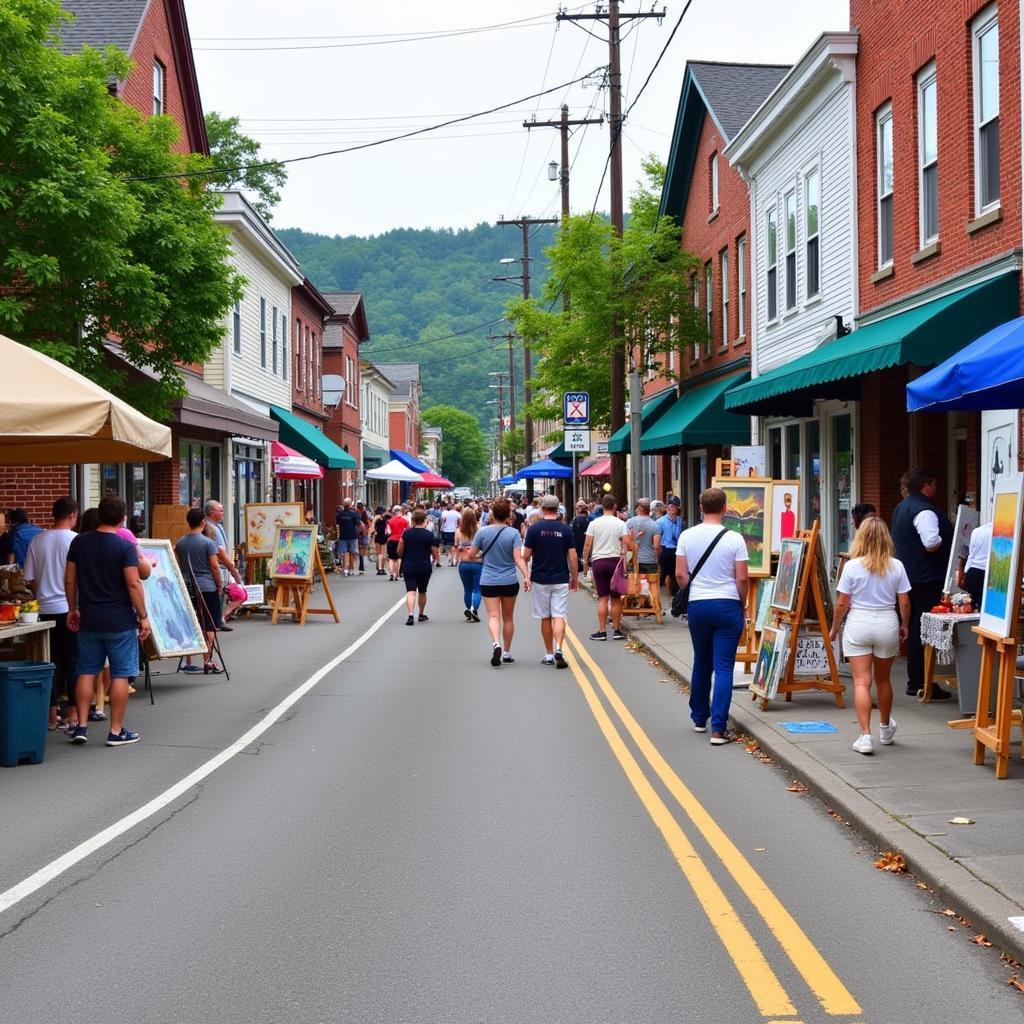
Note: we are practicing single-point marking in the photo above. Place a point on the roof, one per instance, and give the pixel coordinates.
(350, 306)
(312, 293)
(402, 375)
(730, 94)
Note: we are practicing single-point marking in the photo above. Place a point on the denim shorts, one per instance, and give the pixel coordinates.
(348, 546)
(121, 649)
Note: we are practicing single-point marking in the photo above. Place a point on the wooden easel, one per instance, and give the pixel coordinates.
(725, 467)
(989, 732)
(643, 604)
(813, 615)
(291, 596)
(746, 653)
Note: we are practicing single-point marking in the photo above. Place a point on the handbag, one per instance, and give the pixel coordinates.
(620, 578)
(681, 598)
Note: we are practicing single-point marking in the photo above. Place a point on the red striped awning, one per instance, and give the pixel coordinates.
(603, 467)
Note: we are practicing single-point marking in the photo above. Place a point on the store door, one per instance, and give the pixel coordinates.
(697, 465)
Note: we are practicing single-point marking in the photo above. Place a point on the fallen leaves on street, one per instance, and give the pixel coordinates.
(891, 861)
(796, 787)
(980, 940)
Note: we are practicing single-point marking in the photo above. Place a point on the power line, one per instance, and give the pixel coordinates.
(668, 43)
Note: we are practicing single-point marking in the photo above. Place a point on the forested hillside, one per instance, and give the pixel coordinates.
(421, 288)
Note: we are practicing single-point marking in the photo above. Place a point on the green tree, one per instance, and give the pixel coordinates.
(513, 447)
(99, 234)
(249, 171)
(642, 278)
(463, 451)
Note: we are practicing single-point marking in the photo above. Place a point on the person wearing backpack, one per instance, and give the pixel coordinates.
(718, 586)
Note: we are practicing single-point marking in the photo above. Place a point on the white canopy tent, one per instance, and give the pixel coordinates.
(394, 470)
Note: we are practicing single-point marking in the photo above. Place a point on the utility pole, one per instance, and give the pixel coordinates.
(524, 224)
(510, 338)
(614, 17)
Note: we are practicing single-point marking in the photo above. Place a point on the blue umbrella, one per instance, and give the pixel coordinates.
(506, 480)
(544, 469)
(987, 374)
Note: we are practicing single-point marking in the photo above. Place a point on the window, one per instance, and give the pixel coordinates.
(309, 364)
(928, 154)
(273, 331)
(985, 45)
(714, 182)
(772, 246)
(883, 137)
(236, 327)
(741, 284)
(284, 347)
(159, 77)
(791, 250)
(812, 231)
(263, 333)
(709, 304)
(318, 378)
(723, 257)
(695, 280)
(300, 367)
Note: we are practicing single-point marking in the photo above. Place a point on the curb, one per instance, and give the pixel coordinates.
(986, 909)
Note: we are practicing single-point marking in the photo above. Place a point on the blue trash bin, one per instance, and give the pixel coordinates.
(24, 710)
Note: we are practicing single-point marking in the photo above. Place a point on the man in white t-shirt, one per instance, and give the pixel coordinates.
(45, 563)
(716, 615)
(449, 525)
(603, 546)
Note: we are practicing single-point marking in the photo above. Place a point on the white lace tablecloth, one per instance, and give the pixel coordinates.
(937, 632)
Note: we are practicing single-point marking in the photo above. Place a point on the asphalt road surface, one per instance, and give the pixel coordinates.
(414, 836)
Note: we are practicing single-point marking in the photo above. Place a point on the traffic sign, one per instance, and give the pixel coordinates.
(577, 440)
(576, 408)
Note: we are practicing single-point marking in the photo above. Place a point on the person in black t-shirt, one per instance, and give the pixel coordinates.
(418, 551)
(348, 523)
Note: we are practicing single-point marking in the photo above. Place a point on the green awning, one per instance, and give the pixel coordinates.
(374, 458)
(699, 418)
(922, 336)
(313, 443)
(559, 454)
(652, 409)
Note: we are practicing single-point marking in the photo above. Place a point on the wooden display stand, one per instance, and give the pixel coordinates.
(811, 610)
(994, 733)
(637, 603)
(291, 596)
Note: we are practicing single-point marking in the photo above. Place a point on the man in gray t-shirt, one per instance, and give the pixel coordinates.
(197, 556)
(645, 535)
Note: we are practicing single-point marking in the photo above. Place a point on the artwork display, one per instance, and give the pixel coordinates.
(787, 579)
(747, 513)
(750, 459)
(293, 553)
(824, 585)
(764, 604)
(810, 657)
(785, 510)
(1002, 575)
(999, 431)
(771, 660)
(966, 520)
(262, 520)
(172, 616)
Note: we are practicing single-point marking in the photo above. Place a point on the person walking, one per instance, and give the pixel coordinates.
(45, 565)
(645, 538)
(497, 546)
(380, 538)
(923, 537)
(347, 521)
(417, 549)
(671, 525)
(872, 583)
(579, 525)
(469, 570)
(450, 521)
(712, 561)
(107, 609)
(198, 555)
(605, 544)
(228, 570)
(397, 525)
(550, 551)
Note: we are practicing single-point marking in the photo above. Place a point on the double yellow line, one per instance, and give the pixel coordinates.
(763, 984)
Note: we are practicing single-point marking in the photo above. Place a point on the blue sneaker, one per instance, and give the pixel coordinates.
(80, 735)
(122, 738)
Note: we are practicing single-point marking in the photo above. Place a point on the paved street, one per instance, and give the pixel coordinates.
(423, 838)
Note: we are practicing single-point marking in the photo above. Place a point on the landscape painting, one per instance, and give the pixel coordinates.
(293, 552)
(746, 513)
(175, 630)
(999, 602)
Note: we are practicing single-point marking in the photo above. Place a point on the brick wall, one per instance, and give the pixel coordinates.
(884, 451)
(306, 393)
(33, 488)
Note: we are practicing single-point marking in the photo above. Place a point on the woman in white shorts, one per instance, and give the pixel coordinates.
(872, 584)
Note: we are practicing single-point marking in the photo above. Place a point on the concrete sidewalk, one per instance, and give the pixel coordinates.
(901, 797)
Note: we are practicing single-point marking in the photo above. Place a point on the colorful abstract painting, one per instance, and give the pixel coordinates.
(999, 599)
(746, 513)
(294, 548)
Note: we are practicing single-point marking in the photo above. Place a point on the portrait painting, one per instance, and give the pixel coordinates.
(787, 579)
(293, 554)
(172, 616)
(746, 513)
(263, 518)
(785, 506)
(999, 602)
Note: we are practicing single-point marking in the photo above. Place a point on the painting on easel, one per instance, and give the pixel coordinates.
(747, 513)
(787, 580)
(294, 553)
(998, 609)
(771, 659)
(262, 519)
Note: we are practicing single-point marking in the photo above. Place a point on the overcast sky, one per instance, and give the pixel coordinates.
(340, 77)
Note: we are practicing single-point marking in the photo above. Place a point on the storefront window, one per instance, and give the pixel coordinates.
(199, 475)
(136, 498)
(249, 482)
(813, 435)
(110, 479)
(793, 462)
(842, 461)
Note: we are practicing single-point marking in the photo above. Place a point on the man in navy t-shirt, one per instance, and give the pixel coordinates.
(550, 551)
(107, 608)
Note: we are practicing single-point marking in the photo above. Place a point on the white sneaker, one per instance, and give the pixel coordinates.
(887, 733)
(863, 744)
(548, 659)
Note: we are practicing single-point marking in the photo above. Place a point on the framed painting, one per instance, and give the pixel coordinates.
(820, 569)
(747, 512)
(293, 554)
(1001, 590)
(749, 459)
(787, 579)
(966, 521)
(764, 604)
(785, 508)
(263, 518)
(771, 659)
(172, 616)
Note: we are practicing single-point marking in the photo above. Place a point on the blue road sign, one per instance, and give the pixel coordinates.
(576, 408)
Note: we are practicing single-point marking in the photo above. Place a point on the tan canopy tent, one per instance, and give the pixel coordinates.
(51, 415)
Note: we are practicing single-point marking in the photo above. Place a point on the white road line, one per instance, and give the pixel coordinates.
(57, 867)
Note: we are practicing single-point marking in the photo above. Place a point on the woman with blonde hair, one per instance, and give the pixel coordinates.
(469, 571)
(872, 583)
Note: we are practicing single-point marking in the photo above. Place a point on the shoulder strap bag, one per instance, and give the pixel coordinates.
(494, 540)
(681, 599)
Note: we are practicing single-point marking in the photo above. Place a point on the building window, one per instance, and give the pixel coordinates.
(695, 281)
(714, 182)
(883, 136)
(709, 304)
(772, 284)
(985, 44)
(309, 364)
(318, 376)
(300, 367)
(236, 327)
(812, 231)
(741, 285)
(928, 154)
(273, 333)
(791, 250)
(159, 80)
(263, 333)
(284, 347)
(723, 257)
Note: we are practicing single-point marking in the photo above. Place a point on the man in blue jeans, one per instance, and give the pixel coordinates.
(712, 561)
(107, 608)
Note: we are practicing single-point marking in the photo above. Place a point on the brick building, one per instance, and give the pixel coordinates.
(404, 419)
